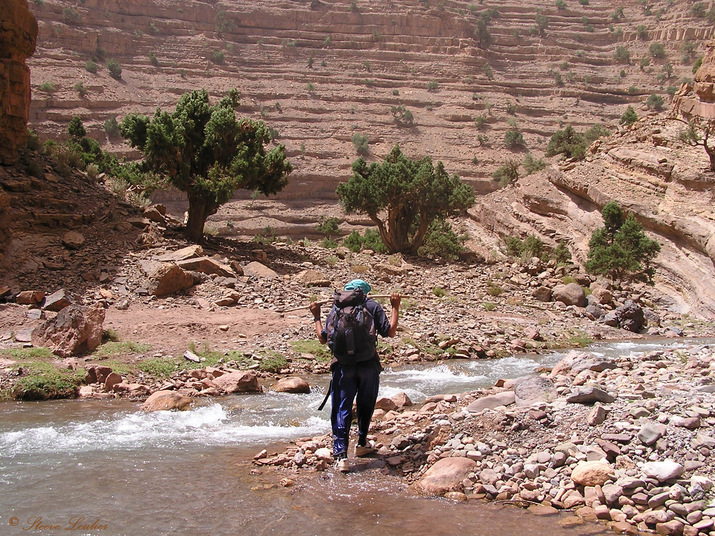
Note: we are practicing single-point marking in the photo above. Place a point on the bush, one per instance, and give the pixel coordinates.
(561, 253)
(361, 144)
(514, 139)
(620, 247)
(371, 240)
(532, 165)
(48, 87)
(153, 59)
(507, 173)
(657, 50)
(629, 116)
(442, 242)
(80, 89)
(655, 102)
(402, 115)
(432, 85)
(622, 55)
(71, 16)
(76, 128)
(111, 127)
(91, 67)
(157, 366)
(115, 70)
(329, 226)
(642, 32)
(595, 132)
(567, 142)
(218, 57)
(481, 121)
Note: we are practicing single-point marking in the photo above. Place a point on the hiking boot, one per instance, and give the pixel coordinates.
(364, 450)
(342, 465)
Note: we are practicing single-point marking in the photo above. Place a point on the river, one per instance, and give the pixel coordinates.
(103, 467)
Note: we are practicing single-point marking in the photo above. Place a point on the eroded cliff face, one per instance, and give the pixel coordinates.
(18, 35)
(652, 174)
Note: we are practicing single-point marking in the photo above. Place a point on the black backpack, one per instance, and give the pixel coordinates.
(351, 328)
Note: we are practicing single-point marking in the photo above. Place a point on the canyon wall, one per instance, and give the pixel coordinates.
(18, 34)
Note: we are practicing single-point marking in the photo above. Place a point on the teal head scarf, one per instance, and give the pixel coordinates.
(358, 284)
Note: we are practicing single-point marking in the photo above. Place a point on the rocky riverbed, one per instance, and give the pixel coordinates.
(628, 441)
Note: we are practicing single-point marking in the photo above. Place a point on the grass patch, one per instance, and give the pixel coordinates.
(22, 354)
(313, 347)
(157, 366)
(494, 289)
(272, 361)
(439, 292)
(579, 339)
(489, 306)
(116, 348)
(46, 382)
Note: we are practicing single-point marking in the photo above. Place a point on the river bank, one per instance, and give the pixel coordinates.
(626, 439)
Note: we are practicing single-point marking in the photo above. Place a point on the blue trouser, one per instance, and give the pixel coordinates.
(362, 379)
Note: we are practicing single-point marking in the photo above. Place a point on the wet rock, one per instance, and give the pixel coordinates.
(446, 475)
(74, 329)
(292, 384)
(166, 400)
(238, 382)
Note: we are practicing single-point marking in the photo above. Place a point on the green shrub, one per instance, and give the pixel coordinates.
(697, 64)
(532, 165)
(620, 247)
(153, 59)
(481, 121)
(48, 87)
(353, 242)
(514, 139)
(76, 128)
(657, 50)
(507, 173)
(432, 85)
(402, 115)
(329, 243)
(329, 226)
(91, 67)
(115, 70)
(370, 240)
(111, 127)
(494, 290)
(622, 55)
(567, 142)
(560, 4)
(218, 57)
(80, 89)
(361, 144)
(272, 361)
(439, 292)
(442, 242)
(642, 32)
(629, 116)
(71, 16)
(595, 132)
(655, 102)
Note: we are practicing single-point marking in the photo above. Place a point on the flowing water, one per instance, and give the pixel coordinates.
(102, 467)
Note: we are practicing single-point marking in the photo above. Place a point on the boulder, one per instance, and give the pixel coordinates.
(595, 473)
(238, 382)
(292, 384)
(446, 475)
(401, 400)
(313, 278)
(628, 316)
(205, 265)
(590, 394)
(73, 240)
(166, 400)
(542, 294)
(385, 404)
(663, 471)
(532, 390)
(29, 297)
(181, 254)
(56, 301)
(492, 401)
(570, 294)
(169, 279)
(75, 328)
(261, 271)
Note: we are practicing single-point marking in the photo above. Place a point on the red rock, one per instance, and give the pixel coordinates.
(292, 385)
(446, 475)
(166, 400)
(238, 382)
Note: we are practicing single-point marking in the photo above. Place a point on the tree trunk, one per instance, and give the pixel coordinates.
(197, 217)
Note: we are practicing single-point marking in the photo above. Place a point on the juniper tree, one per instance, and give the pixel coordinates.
(403, 197)
(205, 151)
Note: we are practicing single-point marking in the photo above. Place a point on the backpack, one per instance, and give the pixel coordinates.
(351, 328)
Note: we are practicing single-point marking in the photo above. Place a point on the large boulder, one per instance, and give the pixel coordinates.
(292, 384)
(169, 279)
(239, 381)
(629, 316)
(166, 400)
(75, 329)
(595, 473)
(570, 294)
(533, 390)
(446, 475)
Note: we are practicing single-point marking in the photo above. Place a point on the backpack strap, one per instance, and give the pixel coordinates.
(327, 395)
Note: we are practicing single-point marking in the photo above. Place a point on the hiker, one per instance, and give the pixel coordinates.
(350, 330)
